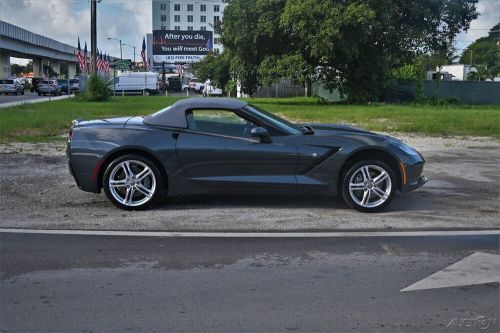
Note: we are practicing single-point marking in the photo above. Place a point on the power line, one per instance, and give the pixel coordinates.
(126, 10)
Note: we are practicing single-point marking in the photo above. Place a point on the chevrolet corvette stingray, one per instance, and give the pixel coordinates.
(203, 145)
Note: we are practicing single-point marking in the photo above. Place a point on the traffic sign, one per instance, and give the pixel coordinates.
(122, 64)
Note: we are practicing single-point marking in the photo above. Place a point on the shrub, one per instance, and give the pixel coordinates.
(96, 90)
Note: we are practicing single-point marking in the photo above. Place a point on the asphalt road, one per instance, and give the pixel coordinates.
(30, 97)
(61, 283)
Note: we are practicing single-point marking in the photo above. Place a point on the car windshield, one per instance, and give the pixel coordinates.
(275, 120)
(44, 82)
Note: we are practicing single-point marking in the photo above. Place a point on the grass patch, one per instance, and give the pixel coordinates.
(49, 120)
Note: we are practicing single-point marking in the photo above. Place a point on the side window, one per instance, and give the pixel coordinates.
(221, 122)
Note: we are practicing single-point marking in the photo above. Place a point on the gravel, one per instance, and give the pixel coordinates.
(463, 193)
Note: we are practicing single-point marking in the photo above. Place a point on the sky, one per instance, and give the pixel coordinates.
(130, 21)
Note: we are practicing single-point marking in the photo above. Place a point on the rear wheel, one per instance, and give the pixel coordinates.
(368, 186)
(132, 182)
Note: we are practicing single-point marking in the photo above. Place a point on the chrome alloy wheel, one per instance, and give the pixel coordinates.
(370, 186)
(132, 183)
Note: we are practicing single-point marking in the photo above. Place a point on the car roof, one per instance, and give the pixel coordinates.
(175, 115)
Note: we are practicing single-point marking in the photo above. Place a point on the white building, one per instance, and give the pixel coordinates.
(459, 72)
(188, 15)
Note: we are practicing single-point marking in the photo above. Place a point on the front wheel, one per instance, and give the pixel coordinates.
(368, 186)
(132, 182)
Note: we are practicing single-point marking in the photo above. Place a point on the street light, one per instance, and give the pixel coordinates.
(121, 53)
(132, 47)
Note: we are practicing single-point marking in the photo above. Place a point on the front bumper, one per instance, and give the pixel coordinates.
(415, 184)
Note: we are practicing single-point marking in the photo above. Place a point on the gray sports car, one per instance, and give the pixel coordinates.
(220, 145)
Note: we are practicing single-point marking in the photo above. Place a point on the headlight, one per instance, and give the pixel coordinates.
(404, 147)
(407, 149)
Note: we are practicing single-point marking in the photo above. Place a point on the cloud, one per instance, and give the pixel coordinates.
(489, 15)
(66, 20)
(51, 18)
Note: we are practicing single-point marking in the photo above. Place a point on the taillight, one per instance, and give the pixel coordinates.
(70, 134)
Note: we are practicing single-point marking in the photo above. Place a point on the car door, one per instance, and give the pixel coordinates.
(217, 150)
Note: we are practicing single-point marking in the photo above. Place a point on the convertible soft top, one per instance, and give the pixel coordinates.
(175, 114)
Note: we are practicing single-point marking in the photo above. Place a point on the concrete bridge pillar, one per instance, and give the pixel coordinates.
(56, 66)
(4, 63)
(71, 70)
(37, 67)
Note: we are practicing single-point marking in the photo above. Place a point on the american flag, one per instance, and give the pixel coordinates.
(106, 63)
(143, 54)
(180, 69)
(80, 57)
(99, 61)
(85, 57)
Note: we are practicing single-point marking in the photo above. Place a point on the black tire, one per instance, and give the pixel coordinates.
(375, 201)
(39, 94)
(22, 92)
(153, 182)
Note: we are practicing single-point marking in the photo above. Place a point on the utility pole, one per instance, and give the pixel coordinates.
(119, 40)
(93, 34)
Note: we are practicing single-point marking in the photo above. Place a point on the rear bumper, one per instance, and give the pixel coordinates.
(84, 180)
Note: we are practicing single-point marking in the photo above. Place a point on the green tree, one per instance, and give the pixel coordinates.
(351, 45)
(216, 67)
(29, 67)
(16, 69)
(250, 33)
(484, 51)
(96, 90)
(481, 74)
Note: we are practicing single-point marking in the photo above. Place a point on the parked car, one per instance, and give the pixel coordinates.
(34, 83)
(73, 86)
(195, 85)
(10, 86)
(136, 83)
(49, 87)
(210, 90)
(174, 84)
(221, 145)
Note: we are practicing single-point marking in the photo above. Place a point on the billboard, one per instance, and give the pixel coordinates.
(178, 46)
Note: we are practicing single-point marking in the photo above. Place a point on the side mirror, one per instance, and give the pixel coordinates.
(262, 133)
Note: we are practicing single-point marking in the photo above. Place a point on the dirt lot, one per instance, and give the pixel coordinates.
(463, 192)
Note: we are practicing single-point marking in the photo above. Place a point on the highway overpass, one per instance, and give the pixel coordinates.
(21, 43)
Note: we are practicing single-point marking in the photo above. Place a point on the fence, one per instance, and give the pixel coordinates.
(469, 92)
(285, 88)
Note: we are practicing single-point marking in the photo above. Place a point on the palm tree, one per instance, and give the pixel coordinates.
(481, 74)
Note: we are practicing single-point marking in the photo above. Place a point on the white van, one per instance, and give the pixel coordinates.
(136, 83)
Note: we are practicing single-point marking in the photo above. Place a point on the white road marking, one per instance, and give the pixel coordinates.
(253, 234)
(478, 268)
